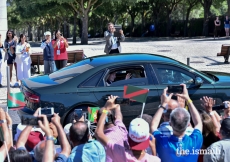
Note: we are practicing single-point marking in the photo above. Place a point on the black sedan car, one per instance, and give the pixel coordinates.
(84, 84)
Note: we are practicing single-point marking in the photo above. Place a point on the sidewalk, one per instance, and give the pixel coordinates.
(201, 51)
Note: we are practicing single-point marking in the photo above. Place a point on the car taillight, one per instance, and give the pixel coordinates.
(31, 97)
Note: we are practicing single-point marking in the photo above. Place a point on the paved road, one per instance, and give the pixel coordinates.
(202, 53)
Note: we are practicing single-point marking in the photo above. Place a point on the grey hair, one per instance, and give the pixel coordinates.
(179, 119)
(39, 152)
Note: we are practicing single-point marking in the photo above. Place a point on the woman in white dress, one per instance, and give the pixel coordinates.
(23, 59)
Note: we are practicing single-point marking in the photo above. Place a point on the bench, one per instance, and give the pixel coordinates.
(224, 50)
(73, 56)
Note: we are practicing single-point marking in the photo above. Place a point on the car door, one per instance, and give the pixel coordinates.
(134, 109)
(175, 75)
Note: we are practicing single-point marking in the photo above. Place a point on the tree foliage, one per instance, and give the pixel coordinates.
(91, 16)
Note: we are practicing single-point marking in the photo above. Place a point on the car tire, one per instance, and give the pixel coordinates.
(92, 126)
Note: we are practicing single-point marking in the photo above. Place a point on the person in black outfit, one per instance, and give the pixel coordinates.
(217, 30)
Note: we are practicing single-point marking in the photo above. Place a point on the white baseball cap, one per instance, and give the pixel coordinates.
(138, 134)
(67, 127)
(47, 33)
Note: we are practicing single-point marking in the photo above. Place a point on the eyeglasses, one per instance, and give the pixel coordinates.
(9, 33)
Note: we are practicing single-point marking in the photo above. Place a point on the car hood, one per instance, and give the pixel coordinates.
(220, 77)
(39, 81)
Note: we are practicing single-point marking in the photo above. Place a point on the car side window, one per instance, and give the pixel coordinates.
(92, 81)
(172, 76)
(123, 76)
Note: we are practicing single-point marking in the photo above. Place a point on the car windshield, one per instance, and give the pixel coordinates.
(71, 71)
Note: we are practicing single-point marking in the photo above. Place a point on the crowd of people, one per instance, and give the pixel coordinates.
(186, 134)
(18, 51)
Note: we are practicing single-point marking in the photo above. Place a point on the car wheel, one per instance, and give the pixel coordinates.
(91, 125)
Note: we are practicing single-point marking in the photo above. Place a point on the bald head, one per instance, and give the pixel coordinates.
(173, 104)
(78, 132)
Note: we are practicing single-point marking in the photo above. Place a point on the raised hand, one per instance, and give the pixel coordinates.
(207, 103)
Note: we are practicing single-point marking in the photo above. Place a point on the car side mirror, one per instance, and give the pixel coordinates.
(198, 81)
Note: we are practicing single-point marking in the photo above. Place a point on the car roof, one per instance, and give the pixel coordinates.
(127, 57)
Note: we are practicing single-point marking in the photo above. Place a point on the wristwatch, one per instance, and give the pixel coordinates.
(160, 106)
(3, 121)
(211, 113)
(10, 127)
(50, 138)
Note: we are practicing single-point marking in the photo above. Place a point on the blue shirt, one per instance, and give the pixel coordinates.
(90, 151)
(173, 149)
(167, 130)
(48, 51)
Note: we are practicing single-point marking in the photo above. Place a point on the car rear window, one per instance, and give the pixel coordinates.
(71, 71)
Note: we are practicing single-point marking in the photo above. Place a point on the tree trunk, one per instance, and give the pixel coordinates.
(84, 35)
(207, 6)
(132, 24)
(65, 29)
(74, 29)
(168, 25)
(228, 1)
(29, 33)
(186, 22)
(38, 33)
(142, 21)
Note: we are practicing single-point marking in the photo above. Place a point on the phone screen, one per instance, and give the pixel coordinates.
(46, 111)
(175, 89)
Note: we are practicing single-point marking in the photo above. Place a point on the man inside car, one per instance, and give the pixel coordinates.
(112, 77)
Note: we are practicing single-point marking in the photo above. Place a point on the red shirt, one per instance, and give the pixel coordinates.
(63, 53)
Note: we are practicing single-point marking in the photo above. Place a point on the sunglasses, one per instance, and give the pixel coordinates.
(9, 33)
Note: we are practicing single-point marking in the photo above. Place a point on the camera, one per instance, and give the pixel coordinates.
(33, 120)
(122, 101)
(175, 89)
(220, 107)
(46, 111)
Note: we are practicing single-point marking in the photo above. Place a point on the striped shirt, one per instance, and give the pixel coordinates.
(118, 135)
(167, 130)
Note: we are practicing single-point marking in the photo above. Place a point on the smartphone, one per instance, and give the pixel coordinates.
(78, 114)
(33, 120)
(46, 111)
(122, 101)
(175, 89)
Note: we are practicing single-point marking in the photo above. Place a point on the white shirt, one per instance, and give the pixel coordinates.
(114, 40)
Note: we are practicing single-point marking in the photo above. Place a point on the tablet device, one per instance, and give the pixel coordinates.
(117, 32)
